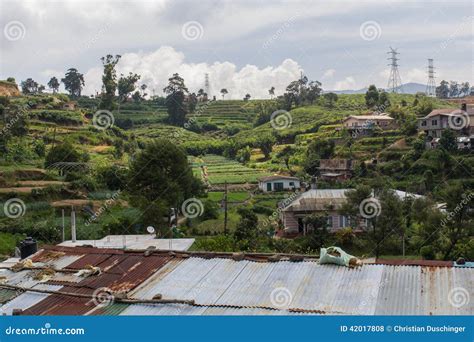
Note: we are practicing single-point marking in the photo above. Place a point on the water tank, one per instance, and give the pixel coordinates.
(28, 247)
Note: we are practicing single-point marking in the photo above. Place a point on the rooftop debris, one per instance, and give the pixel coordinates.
(178, 283)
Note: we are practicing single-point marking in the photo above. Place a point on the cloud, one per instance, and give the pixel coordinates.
(156, 67)
(328, 74)
(347, 83)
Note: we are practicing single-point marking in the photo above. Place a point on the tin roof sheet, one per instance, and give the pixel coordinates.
(27, 299)
(223, 286)
(368, 290)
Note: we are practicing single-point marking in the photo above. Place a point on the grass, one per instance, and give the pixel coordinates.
(220, 170)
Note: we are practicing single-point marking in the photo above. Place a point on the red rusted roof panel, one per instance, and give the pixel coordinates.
(119, 273)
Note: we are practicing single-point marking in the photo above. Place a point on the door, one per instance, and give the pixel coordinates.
(269, 186)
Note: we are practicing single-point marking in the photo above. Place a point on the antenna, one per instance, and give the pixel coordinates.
(394, 81)
(207, 86)
(431, 85)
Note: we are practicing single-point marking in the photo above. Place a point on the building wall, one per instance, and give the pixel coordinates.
(434, 126)
(286, 184)
(335, 221)
(363, 123)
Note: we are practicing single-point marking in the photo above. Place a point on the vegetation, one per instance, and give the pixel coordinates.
(163, 151)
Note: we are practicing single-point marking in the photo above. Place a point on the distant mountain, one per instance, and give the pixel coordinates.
(408, 88)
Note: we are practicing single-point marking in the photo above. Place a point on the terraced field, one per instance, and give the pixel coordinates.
(232, 112)
(218, 170)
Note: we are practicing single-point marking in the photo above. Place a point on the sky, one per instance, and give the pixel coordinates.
(244, 46)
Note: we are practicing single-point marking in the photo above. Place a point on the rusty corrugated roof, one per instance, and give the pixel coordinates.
(221, 283)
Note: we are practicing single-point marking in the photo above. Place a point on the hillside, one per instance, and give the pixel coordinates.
(8, 89)
(222, 139)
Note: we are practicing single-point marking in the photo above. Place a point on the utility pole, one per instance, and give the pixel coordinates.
(394, 81)
(225, 208)
(64, 233)
(431, 85)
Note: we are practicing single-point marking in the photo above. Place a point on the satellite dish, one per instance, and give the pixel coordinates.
(150, 230)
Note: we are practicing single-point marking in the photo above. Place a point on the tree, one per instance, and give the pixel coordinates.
(53, 84)
(442, 91)
(73, 82)
(265, 143)
(62, 153)
(271, 92)
(464, 89)
(109, 81)
(286, 153)
(458, 225)
(372, 96)
(330, 99)
(29, 86)
(448, 141)
(246, 229)
(313, 91)
(143, 87)
(192, 101)
(175, 100)
(384, 101)
(318, 230)
(247, 97)
(318, 149)
(387, 214)
(160, 178)
(224, 92)
(453, 89)
(126, 85)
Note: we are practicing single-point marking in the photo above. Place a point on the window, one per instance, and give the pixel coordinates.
(423, 123)
(269, 186)
(292, 183)
(278, 186)
(434, 122)
(330, 221)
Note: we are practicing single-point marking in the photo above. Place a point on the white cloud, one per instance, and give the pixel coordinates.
(156, 67)
(328, 74)
(347, 83)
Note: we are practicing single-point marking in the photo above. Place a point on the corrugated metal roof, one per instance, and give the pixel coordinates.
(137, 241)
(27, 299)
(368, 290)
(223, 286)
(6, 295)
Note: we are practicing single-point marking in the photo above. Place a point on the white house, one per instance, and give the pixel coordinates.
(278, 183)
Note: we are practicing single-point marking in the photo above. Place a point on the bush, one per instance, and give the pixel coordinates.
(427, 252)
(62, 153)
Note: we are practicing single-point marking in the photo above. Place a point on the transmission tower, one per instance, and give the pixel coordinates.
(431, 85)
(394, 81)
(207, 86)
